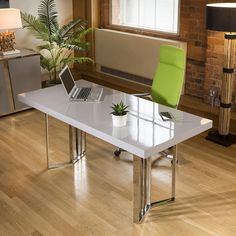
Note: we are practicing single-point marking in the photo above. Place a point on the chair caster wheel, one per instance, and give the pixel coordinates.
(117, 153)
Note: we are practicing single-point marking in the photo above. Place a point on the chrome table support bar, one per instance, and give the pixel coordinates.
(77, 145)
(142, 186)
(77, 140)
(173, 166)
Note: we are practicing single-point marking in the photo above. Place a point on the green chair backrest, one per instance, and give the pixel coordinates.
(169, 76)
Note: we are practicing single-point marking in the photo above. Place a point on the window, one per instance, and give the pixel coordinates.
(159, 15)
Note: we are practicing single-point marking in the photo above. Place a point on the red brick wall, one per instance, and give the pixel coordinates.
(192, 30)
(205, 49)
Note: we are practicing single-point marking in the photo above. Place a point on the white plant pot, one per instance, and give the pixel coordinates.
(119, 121)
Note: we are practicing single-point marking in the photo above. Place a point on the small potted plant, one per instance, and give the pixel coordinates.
(119, 114)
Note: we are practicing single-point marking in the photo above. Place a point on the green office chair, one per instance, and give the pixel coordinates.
(168, 79)
(169, 76)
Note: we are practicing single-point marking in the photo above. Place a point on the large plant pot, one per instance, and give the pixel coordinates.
(49, 80)
(49, 83)
(119, 121)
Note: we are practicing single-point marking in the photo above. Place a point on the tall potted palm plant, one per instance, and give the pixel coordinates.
(59, 42)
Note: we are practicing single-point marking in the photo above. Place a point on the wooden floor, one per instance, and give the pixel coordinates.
(94, 197)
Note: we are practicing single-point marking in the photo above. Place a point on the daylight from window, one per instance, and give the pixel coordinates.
(159, 15)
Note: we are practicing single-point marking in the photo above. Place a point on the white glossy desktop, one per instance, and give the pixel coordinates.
(144, 135)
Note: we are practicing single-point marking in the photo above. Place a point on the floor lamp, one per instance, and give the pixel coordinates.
(222, 17)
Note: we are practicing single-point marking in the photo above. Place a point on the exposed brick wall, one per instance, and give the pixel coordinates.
(195, 74)
(214, 61)
(192, 30)
(205, 48)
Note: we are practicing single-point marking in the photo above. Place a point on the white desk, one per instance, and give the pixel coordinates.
(144, 136)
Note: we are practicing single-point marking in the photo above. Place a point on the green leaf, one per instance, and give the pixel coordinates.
(78, 35)
(48, 15)
(77, 59)
(83, 33)
(119, 109)
(77, 46)
(46, 64)
(36, 27)
(44, 46)
(67, 30)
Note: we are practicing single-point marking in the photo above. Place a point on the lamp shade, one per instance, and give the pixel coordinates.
(10, 18)
(221, 17)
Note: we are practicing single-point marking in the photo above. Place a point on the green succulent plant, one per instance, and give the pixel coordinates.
(58, 42)
(119, 109)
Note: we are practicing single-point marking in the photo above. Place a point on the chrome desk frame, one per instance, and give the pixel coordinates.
(142, 171)
(77, 145)
(142, 186)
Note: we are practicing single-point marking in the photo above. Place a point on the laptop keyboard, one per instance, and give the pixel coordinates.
(84, 93)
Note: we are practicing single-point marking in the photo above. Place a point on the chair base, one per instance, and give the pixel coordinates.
(224, 140)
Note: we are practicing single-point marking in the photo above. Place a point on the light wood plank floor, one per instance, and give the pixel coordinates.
(94, 197)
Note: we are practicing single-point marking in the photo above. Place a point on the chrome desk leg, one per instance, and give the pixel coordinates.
(77, 145)
(173, 167)
(173, 163)
(47, 140)
(142, 187)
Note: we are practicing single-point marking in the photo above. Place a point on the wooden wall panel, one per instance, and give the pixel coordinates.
(89, 10)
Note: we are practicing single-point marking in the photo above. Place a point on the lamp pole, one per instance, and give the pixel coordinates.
(227, 84)
(221, 17)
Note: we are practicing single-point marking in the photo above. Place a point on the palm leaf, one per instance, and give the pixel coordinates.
(82, 33)
(66, 30)
(36, 27)
(56, 38)
(77, 46)
(46, 63)
(44, 46)
(77, 36)
(57, 57)
(76, 42)
(48, 15)
(77, 59)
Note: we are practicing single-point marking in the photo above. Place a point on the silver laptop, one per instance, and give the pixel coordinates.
(90, 94)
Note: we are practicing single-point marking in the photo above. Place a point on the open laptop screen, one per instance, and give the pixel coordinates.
(67, 79)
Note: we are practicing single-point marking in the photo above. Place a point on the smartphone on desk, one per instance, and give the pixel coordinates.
(165, 116)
